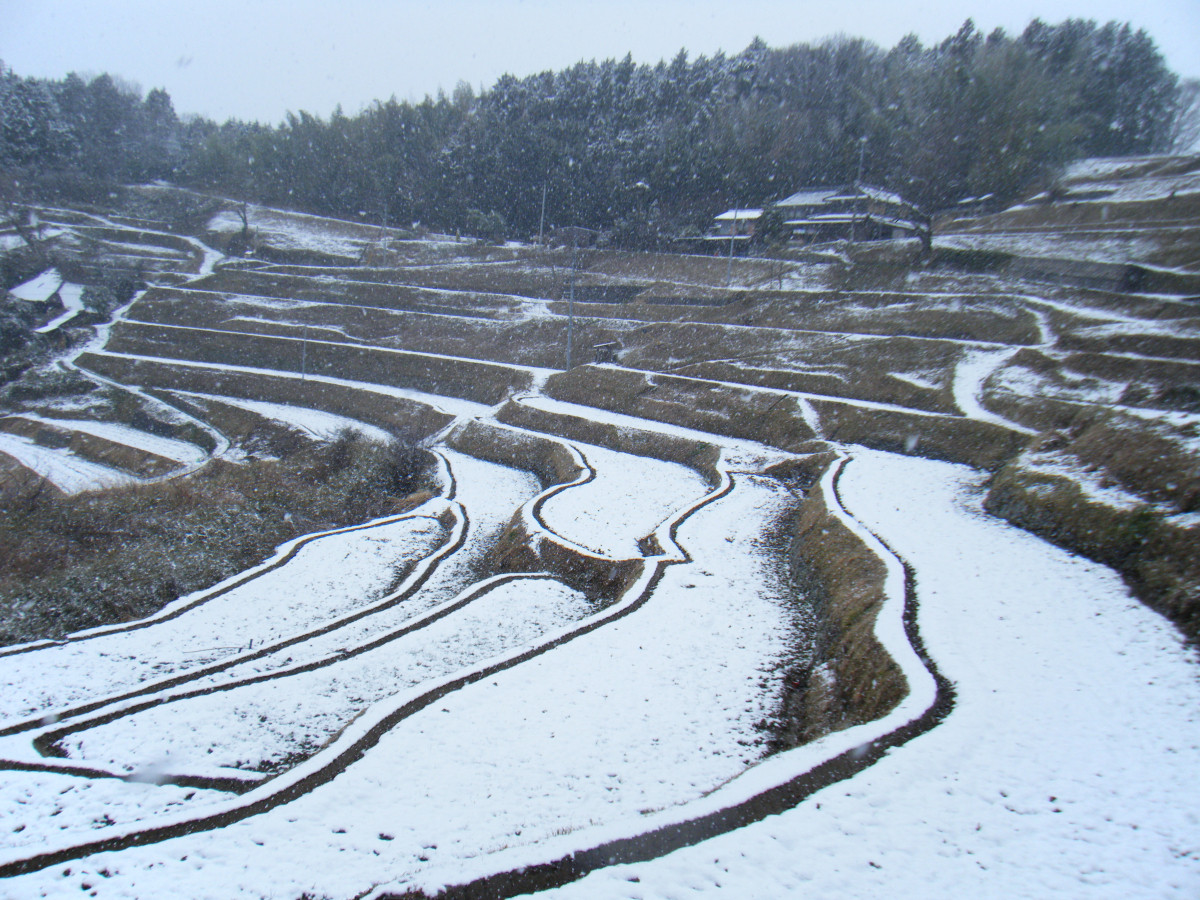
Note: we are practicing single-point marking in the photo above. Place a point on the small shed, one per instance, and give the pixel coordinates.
(739, 224)
(606, 352)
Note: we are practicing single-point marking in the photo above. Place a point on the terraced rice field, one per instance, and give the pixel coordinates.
(745, 613)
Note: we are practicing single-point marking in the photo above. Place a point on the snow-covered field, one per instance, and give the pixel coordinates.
(314, 422)
(310, 584)
(1066, 768)
(389, 708)
(626, 500)
(169, 448)
(66, 471)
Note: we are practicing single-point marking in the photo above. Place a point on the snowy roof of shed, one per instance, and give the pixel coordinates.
(811, 196)
(739, 214)
(40, 288)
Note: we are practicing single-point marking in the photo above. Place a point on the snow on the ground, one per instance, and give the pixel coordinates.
(72, 298)
(490, 494)
(651, 710)
(265, 725)
(258, 300)
(168, 448)
(738, 453)
(327, 578)
(66, 471)
(40, 288)
(1166, 328)
(627, 499)
(1066, 769)
(1095, 485)
(294, 231)
(453, 405)
(1063, 386)
(137, 249)
(1126, 180)
(321, 425)
(1118, 247)
(972, 370)
(36, 807)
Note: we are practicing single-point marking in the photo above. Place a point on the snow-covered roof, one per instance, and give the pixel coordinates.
(825, 219)
(740, 215)
(39, 289)
(813, 196)
(817, 196)
(880, 194)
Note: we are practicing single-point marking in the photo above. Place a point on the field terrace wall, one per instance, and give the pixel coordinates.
(481, 382)
(1118, 488)
(536, 341)
(1158, 555)
(18, 481)
(851, 678)
(527, 545)
(1040, 390)
(1167, 346)
(1159, 383)
(122, 405)
(138, 236)
(408, 419)
(839, 365)
(514, 279)
(679, 268)
(242, 426)
(354, 292)
(186, 306)
(781, 420)
(123, 457)
(698, 455)
(965, 317)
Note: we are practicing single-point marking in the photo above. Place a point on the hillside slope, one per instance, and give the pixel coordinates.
(728, 605)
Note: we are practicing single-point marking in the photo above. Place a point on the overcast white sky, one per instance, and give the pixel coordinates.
(258, 59)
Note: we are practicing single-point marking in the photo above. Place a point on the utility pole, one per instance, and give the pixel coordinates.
(729, 266)
(862, 150)
(571, 299)
(304, 354)
(542, 224)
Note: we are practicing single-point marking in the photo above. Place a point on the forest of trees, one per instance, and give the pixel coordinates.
(641, 150)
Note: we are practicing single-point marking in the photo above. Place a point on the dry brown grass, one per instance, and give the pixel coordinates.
(91, 447)
(110, 556)
(481, 382)
(411, 420)
(697, 455)
(1159, 557)
(851, 678)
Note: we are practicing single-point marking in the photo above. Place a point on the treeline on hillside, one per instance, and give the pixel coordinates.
(643, 149)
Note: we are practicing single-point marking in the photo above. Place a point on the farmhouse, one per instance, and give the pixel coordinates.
(857, 212)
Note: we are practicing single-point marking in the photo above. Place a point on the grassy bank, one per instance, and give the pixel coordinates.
(73, 562)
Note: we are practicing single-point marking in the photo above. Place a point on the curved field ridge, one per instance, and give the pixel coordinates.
(743, 795)
(1066, 768)
(591, 679)
(230, 656)
(366, 731)
(285, 715)
(488, 490)
(768, 788)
